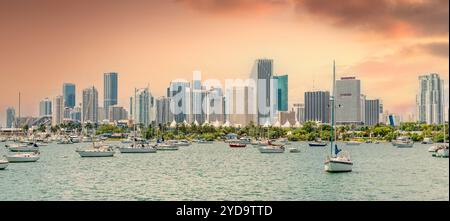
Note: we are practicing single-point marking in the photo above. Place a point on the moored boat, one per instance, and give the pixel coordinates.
(237, 145)
(3, 164)
(140, 148)
(166, 147)
(97, 151)
(353, 143)
(31, 147)
(23, 157)
(294, 150)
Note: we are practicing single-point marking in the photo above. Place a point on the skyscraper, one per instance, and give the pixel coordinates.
(142, 107)
(45, 108)
(90, 105)
(58, 110)
(117, 113)
(372, 112)
(110, 91)
(10, 117)
(69, 94)
(215, 107)
(282, 93)
(265, 91)
(348, 101)
(163, 110)
(238, 107)
(317, 106)
(197, 96)
(430, 99)
(179, 93)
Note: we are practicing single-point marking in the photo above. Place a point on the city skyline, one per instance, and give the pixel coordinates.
(144, 46)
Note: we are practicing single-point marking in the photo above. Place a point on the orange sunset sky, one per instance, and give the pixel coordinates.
(385, 43)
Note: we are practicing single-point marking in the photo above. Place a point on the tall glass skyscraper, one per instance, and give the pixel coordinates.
(90, 105)
(69, 94)
(45, 108)
(10, 117)
(430, 99)
(110, 91)
(265, 102)
(282, 93)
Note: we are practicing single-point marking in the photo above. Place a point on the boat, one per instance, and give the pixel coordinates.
(202, 141)
(434, 148)
(427, 140)
(166, 146)
(139, 148)
(179, 143)
(75, 139)
(237, 145)
(337, 161)
(23, 157)
(317, 144)
(442, 151)
(271, 149)
(404, 142)
(353, 143)
(3, 164)
(31, 147)
(294, 150)
(97, 151)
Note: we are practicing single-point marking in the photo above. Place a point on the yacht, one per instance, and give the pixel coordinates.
(353, 143)
(317, 144)
(337, 161)
(3, 164)
(271, 148)
(138, 148)
(294, 150)
(427, 140)
(23, 157)
(237, 145)
(97, 151)
(442, 151)
(17, 147)
(404, 142)
(166, 146)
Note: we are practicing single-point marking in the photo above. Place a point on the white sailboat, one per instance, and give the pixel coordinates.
(441, 150)
(135, 147)
(23, 157)
(336, 162)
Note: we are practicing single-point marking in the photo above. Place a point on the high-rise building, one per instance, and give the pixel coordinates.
(238, 108)
(10, 117)
(142, 108)
(265, 92)
(75, 114)
(299, 110)
(45, 108)
(58, 110)
(117, 113)
(69, 94)
(110, 83)
(430, 99)
(348, 101)
(317, 106)
(180, 100)
(163, 111)
(372, 112)
(282, 94)
(197, 96)
(101, 114)
(215, 107)
(90, 105)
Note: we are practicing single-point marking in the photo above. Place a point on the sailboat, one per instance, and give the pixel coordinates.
(336, 162)
(441, 150)
(142, 147)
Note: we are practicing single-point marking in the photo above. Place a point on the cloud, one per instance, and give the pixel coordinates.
(386, 17)
(439, 49)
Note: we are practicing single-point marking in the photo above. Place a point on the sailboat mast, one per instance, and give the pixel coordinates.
(134, 119)
(332, 107)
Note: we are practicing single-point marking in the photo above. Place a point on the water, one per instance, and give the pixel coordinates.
(217, 172)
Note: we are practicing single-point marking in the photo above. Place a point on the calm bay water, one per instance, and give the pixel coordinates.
(217, 172)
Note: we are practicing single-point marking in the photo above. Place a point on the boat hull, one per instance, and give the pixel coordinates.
(333, 166)
(96, 153)
(271, 150)
(137, 150)
(404, 145)
(317, 144)
(23, 149)
(22, 159)
(3, 165)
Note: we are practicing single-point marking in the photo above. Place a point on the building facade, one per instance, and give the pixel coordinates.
(10, 117)
(317, 106)
(282, 94)
(348, 101)
(90, 105)
(265, 92)
(430, 99)
(299, 110)
(372, 112)
(58, 110)
(45, 108)
(110, 87)
(69, 94)
(180, 100)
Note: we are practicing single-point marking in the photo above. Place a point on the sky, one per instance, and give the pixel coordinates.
(385, 43)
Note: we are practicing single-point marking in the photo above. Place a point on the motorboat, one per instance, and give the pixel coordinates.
(442, 151)
(294, 150)
(271, 148)
(317, 144)
(17, 147)
(97, 151)
(353, 143)
(427, 140)
(23, 157)
(404, 142)
(138, 148)
(180, 143)
(3, 164)
(166, 146)
(237, 145)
